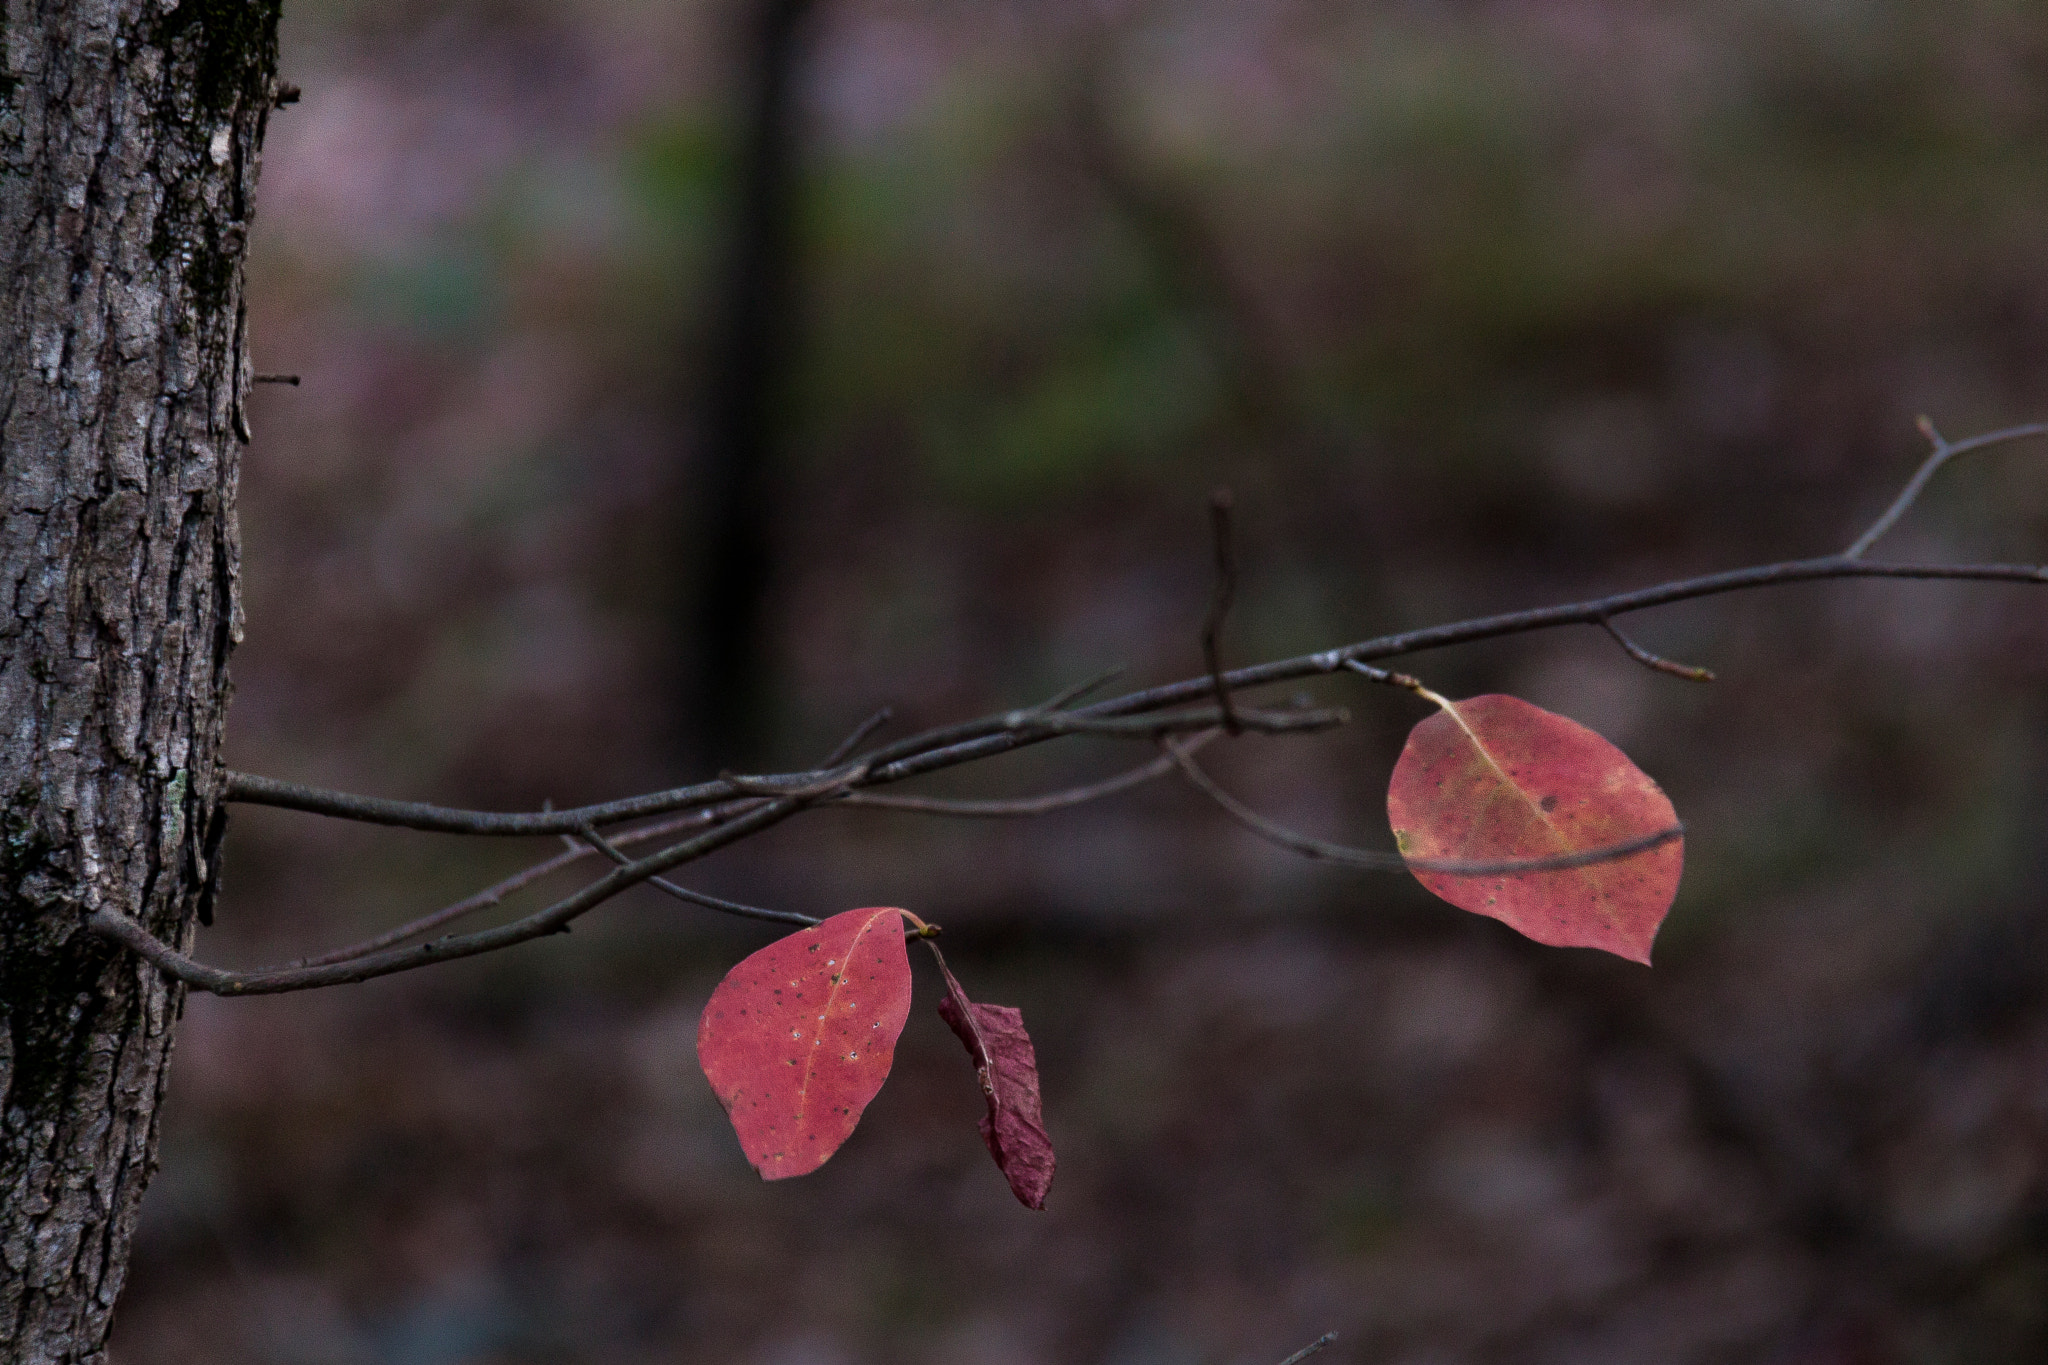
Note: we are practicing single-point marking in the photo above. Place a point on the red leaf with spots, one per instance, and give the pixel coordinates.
(1008, 1067)
(1495, 779)
(798, 1037)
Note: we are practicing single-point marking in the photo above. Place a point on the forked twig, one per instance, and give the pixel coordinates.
(736, 807)
(1944, 451)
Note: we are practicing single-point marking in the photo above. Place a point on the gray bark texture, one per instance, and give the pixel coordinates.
(130, 132)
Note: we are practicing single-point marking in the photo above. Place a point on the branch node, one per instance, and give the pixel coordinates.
(1944, 451)
(1404, 681)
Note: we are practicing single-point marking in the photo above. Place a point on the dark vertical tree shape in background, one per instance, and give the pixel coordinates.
(728, 516)
(131, 132)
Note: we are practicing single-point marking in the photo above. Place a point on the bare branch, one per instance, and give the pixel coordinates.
(1219, 606)
(577, 851)
(448, 914)
(1943, 452)
(859, 736)
(1068, 696)
(268, 791)
(611, 850)
(1311, 1349)
(1305, 719)
(802, 787)
(1381, 675)
(735, 806)
(1278, 834)
(1657, 661)
(1063, 799)
(518, 881)
(1371, 858)
(554, 919)
(951, 746)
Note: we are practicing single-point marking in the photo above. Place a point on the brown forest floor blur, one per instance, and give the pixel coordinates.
(1477, 306)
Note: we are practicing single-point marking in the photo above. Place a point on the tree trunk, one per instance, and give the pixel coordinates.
(130, 134)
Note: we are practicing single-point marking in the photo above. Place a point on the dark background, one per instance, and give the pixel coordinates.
(1477, 306)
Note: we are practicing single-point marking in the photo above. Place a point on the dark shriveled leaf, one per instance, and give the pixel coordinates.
(798, 1037)
(1008, 1068)
(1495, 779)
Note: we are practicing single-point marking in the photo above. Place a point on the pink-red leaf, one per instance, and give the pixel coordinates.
(1007, 1064)
(798, 1037)
(1495, 779)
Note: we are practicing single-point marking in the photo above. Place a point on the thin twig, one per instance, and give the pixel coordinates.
(683, 893)
(973, 740)
(1063, 799)
(268, 791)
(290, 379)
(859, 736)
(779, 797)
(1381, 675)
(578, 850)
(1311, 1349)
(1304, 719)
(1644, 657)
(1364, 857)
(953, 745)
(981, 727)
(810, 788)
(970, 741)
(1067, 696)
(1219, 606)
(496, 893)
(1943, 452)
(994, 739)
(554, 919)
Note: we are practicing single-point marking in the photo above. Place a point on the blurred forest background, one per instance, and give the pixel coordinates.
(653, 424)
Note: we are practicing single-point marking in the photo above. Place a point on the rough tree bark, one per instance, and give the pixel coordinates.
(130, 133)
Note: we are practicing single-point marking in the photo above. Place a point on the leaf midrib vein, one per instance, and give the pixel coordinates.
(1557, 835)
(834, 980)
